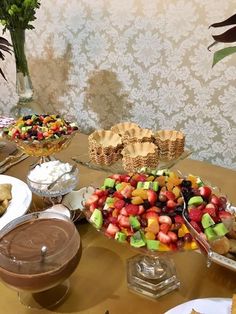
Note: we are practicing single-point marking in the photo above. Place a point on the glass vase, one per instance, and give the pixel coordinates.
(24, 88)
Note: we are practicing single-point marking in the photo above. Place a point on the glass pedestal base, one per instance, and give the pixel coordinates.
(45, 299)
(151, 276)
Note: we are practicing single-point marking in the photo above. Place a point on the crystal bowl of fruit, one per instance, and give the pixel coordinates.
(144, 211)
(211, 220)
(41, 135)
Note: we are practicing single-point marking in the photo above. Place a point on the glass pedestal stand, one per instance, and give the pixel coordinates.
(45, 299)
(152, 276)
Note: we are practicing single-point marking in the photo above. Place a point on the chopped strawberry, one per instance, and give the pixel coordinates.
(215, 200)
(124, 178)
(112, 229)
(132, 209)
(211, 211)
(40, 136)
(179, 219)
(154, 209)
(163, 238)
(170, 195)
(173, 246)
(141, 210)
(116, 177)
(92, 207)
(196, 226)
(123, 212)
(102, 200)
(123, 221)
(202, 206)
(173, 236)
(92, 199)
(171, 204)
(119, 204)
(133, 182)
(99, 192)
(165, 219)
(205, 192)
(152, 215)
(113, 220)
(195, 214)
(152, 196)
(118, 195)
(165, 227)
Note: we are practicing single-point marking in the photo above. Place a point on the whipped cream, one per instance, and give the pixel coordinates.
(50, 171)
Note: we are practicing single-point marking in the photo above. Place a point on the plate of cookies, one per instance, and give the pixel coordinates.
(15, 199)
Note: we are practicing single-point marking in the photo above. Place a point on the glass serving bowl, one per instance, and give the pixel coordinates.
(38, 252)
(43, 148)
(63, 186)
(151, 272)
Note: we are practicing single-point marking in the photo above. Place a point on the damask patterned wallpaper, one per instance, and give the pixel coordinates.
(106, 61)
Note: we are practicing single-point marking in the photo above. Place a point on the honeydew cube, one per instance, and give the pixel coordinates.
(109, 183)
(119, 186)
(110, 201)
(134, 222)
(120, 236)
(153, 245)
(195, 200)
(220, 229)
(146, 185)
(96, 218)
(136, 240)
(210, 234)
(139, 185)
(155, 186)
(207, 221)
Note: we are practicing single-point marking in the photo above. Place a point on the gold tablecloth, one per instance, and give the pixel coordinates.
(99, 282)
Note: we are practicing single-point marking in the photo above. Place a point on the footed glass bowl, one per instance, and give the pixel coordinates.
(152, 272)
(63, 186)
(38, 252)
(43, 148)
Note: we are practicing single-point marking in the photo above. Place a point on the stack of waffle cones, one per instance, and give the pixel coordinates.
(137, 136)
(170, 144)
(138, 155)
(104, 147)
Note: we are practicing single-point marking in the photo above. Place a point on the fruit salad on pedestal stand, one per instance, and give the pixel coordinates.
(42, 136)
(144, 211)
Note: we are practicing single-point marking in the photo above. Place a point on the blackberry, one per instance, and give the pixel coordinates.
(186, 184)
(146, 204)
(179, 209)
(128, 200)
(27, 117)
(111, 190)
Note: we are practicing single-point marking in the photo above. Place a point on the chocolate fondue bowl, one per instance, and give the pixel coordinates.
(38, 251)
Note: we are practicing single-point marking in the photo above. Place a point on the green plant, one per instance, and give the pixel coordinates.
(4, 47)
(228, 36)
(18, 13)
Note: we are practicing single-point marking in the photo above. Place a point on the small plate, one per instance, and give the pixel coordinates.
(20, 202)
(204, 306)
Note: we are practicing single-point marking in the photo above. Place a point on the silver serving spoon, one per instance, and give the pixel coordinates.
(51, 185)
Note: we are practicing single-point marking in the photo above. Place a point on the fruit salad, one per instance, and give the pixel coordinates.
(142, 210)
(41, 135)
(40, 127)
(208, 214)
